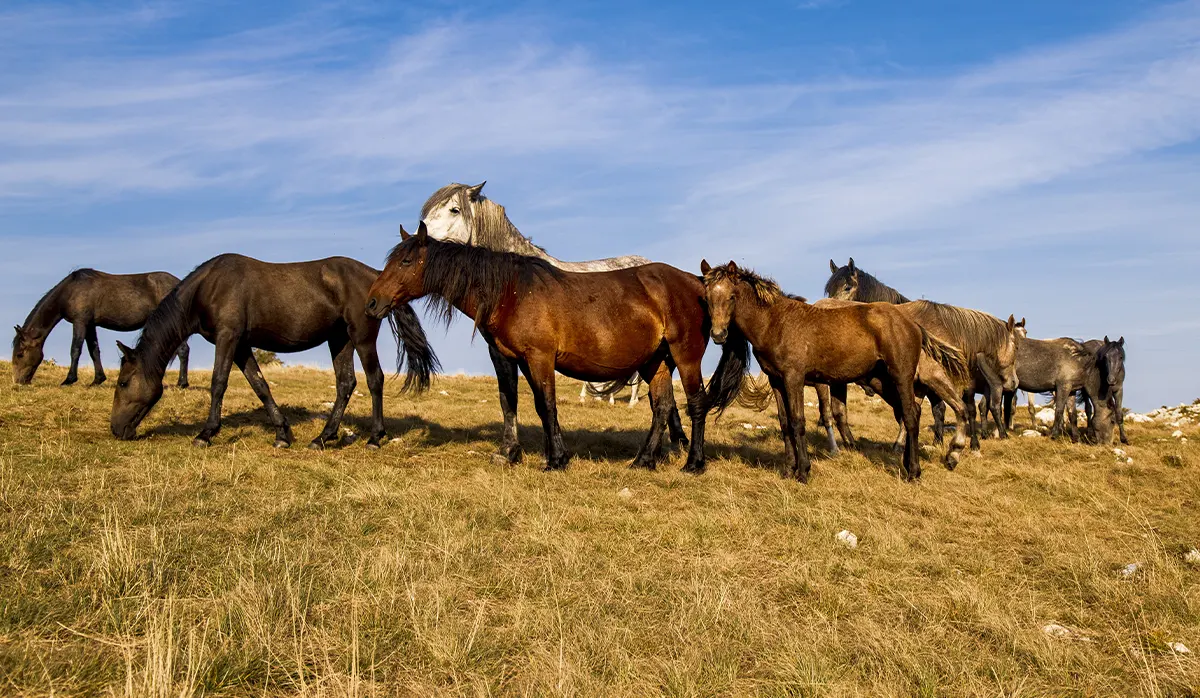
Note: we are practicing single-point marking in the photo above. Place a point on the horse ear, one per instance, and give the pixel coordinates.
(704, 268)
(19, 330)
(833, 266)
(1021, 323)
(422, 234)
(1106, 341)
(851, 265)
(1121, 341)
(1012, 322)
(404, 233)
(126, 352)
(731, 266)
(473, 192)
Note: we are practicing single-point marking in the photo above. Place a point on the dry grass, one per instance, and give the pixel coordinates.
(155, 568)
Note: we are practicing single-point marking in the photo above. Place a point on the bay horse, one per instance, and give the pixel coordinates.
(595, 326)
(238, 304)
(88, 299)
(988, 343)
(795, 343)
(461, 213)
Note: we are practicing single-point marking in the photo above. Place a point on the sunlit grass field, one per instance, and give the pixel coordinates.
(155, 568)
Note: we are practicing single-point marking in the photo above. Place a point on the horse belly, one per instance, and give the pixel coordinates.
(604, 345)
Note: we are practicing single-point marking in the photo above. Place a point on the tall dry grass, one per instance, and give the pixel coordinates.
(152, 568)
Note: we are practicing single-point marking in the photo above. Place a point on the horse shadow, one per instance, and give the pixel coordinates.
(256, 417)
(765, 450)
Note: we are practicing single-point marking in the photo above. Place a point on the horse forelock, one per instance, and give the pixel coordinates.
(765, 290)
(441, 196)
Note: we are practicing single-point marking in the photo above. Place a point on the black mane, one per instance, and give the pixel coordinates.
(167, 327)
(456, 272)
(870, 289)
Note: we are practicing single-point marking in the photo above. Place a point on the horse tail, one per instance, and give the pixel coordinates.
(755, 395)
(949, 356)
(412, 349)
(612, 387)
(734, 364)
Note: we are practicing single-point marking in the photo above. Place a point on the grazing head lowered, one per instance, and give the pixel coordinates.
(137, 393)
(1111, 360)
(26, 356)
(725, 285)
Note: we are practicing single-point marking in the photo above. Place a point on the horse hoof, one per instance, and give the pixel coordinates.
(96, 382)
(951, 461)
(554, 467)
(647, 465)
(201, 443)
(69, 381)
(694, 469)
(374, 445)
(183, 386)
(314, 445)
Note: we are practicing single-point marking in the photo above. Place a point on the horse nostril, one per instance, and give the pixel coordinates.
(371, 303)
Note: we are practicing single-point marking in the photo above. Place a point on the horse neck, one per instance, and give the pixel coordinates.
(172, 322)
(752, 318)
(496, 232)
(47, 313)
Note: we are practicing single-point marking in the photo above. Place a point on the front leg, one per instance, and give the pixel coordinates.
(539, 372)
(93, 346)
(823, 408)
(369, 356)
(222, 363)
(1119, 412)
(78, 332)
(343, 371)
(840, 417)
(506, 377)
(184, 353)
(795, 403)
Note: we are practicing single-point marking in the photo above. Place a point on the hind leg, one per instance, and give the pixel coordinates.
(968, 399)
(633, 393)
(698, 407)
(94, 351)
(660, 404)
(1118, 411)
(841, 417)
(369, 356)
(506, 376)
(244, 358)
(794, 392)
(538, 368)
(937, 412)
(184, 354)
(900, 396)
(824, 409)
(342, 352)
(78, 332)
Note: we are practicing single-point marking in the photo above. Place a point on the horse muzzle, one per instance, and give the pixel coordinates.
(376, 308)
(720, 337)
(124, 433)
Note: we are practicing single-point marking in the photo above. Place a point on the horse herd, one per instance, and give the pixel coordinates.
(611, 321)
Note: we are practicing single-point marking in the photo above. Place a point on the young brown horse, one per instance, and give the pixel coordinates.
(597, 326)
(239, 303)
(88, 299)
(796, 343)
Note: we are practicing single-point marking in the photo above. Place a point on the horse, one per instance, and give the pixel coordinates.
(88, 299)
(595, 326)
(988, 343)
(795, 342)
(1062, 366)
(238, 304)
(460, 212)
(1110, 362)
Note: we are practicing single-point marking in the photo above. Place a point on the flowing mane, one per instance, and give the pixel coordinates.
(765, 290)
(456, 272)
(975, 331)
(486, 219)
(168, 326)
(870, 289)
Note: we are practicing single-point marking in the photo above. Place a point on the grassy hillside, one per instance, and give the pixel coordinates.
(156, 568)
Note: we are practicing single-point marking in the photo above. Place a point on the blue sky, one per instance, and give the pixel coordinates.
(1036, 158)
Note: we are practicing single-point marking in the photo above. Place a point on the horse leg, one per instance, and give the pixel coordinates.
(369, 356)
(1031, 405)
(823, 407)
(840, 415)
(1007, 399)
(904, 408)
(1119, 413)
(937, 386)
(679, 437)
(539, 373)
(226, 345)
(1061, 395)
(697, 407)
(244, 358)
(583, 393)
(633, 393)
(801, 467)
(968, 398)
(93, 346)
(506, 376)
(937, 412)
(184, 353)
(660, 379)
(342, 352)
(78, 331)
(779, 388)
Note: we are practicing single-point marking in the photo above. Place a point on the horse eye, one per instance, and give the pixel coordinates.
(455, 211)
(406, 261)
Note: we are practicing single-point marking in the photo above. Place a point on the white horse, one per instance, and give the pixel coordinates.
(461, 213)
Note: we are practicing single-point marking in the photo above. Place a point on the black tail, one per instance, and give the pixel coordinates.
(412, 349)
(734, 365)
(612, 387)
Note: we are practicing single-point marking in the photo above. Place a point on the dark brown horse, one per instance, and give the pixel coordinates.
(988, 343)
(597, 326)
(88, 299)
(796, 343)
(239, 304)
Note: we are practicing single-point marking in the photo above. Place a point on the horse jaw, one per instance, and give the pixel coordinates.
(444, 225)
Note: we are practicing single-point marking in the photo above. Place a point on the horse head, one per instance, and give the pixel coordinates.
(450, 214)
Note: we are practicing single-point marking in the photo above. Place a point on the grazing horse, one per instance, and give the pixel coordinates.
(795, 343)
(461, 213)
(1110, 362)
(597, 326)
(1060, 366)
(88, 299)
(239, 304)
(988, 343)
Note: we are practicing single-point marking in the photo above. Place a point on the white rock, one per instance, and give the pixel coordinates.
(1118, 453)
(1177, 434)
(1192, 557)
(1031, 434)
(747, 425)
(1183, 439)
(1045, 416)
(1056, 630)
(1178, 648)
(847, 539)
(625, 493)
(1129, 461)
(1131, 569)
(443, 392)
(327, 405)
(1139, 418)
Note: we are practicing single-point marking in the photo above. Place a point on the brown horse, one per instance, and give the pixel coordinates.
(597, 326)
(796, 343)
(88, 299)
